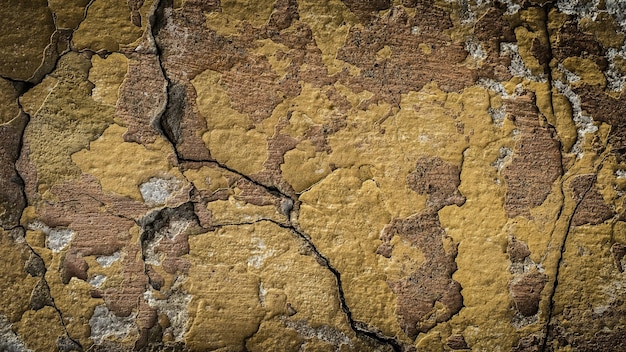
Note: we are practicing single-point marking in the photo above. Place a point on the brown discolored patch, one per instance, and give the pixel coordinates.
(607, 332)
(277, 146)
(430, 288)
(408, 67)
(101, 222)
(608, 109)
(12, 200)
(135, 16)
(102, 225)
(490, 30)
(569, 41)
(253, 88)
(283, 15)
(439, 180)
(367, 8)
(40, 297)
(536, 161)
(591, 208)
(526, 291)
(457, 342)
(74, 265)
(318, 134)
(517, 250)
(142, 95)
(189, 48)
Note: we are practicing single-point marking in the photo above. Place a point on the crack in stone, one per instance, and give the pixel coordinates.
(358, 327)
(561, 252)
(72, 344)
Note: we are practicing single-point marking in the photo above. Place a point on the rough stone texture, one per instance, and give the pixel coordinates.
(299, 175)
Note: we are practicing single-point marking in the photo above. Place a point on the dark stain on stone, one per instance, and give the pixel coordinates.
(142, 95)
(536, 161)
(66, 344)
(592, 209)
(181, 121)
(135, 16)
(526, 290)
(154, 278)
(457, 342)
(162, 231)
(492, 29)
(541, 52)
(432, 282)
(569, 41)
(283, 15)
(597, 333)
(35, 266)
(608, 109)
(437, 179)
(517, 250)
(366, 8)
(40, 297)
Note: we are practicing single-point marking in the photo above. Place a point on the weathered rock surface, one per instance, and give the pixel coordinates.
(300, 175)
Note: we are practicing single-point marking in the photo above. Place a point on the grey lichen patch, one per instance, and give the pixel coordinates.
(504, 157)
(56, 238)
(157, 191)
(173, 305)
(9, 340)
(107, 260)
(104, 324)
(97, 280)
(584, 122)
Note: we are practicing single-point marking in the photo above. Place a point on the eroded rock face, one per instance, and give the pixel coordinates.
(303, 175)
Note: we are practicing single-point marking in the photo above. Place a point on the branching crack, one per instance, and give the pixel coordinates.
(358, 327)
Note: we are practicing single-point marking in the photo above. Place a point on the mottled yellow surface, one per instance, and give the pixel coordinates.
(107, 76)
(273, 235)
(107, 26)
(122, 166)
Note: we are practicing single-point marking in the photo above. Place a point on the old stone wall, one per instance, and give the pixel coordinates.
(313, 175)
